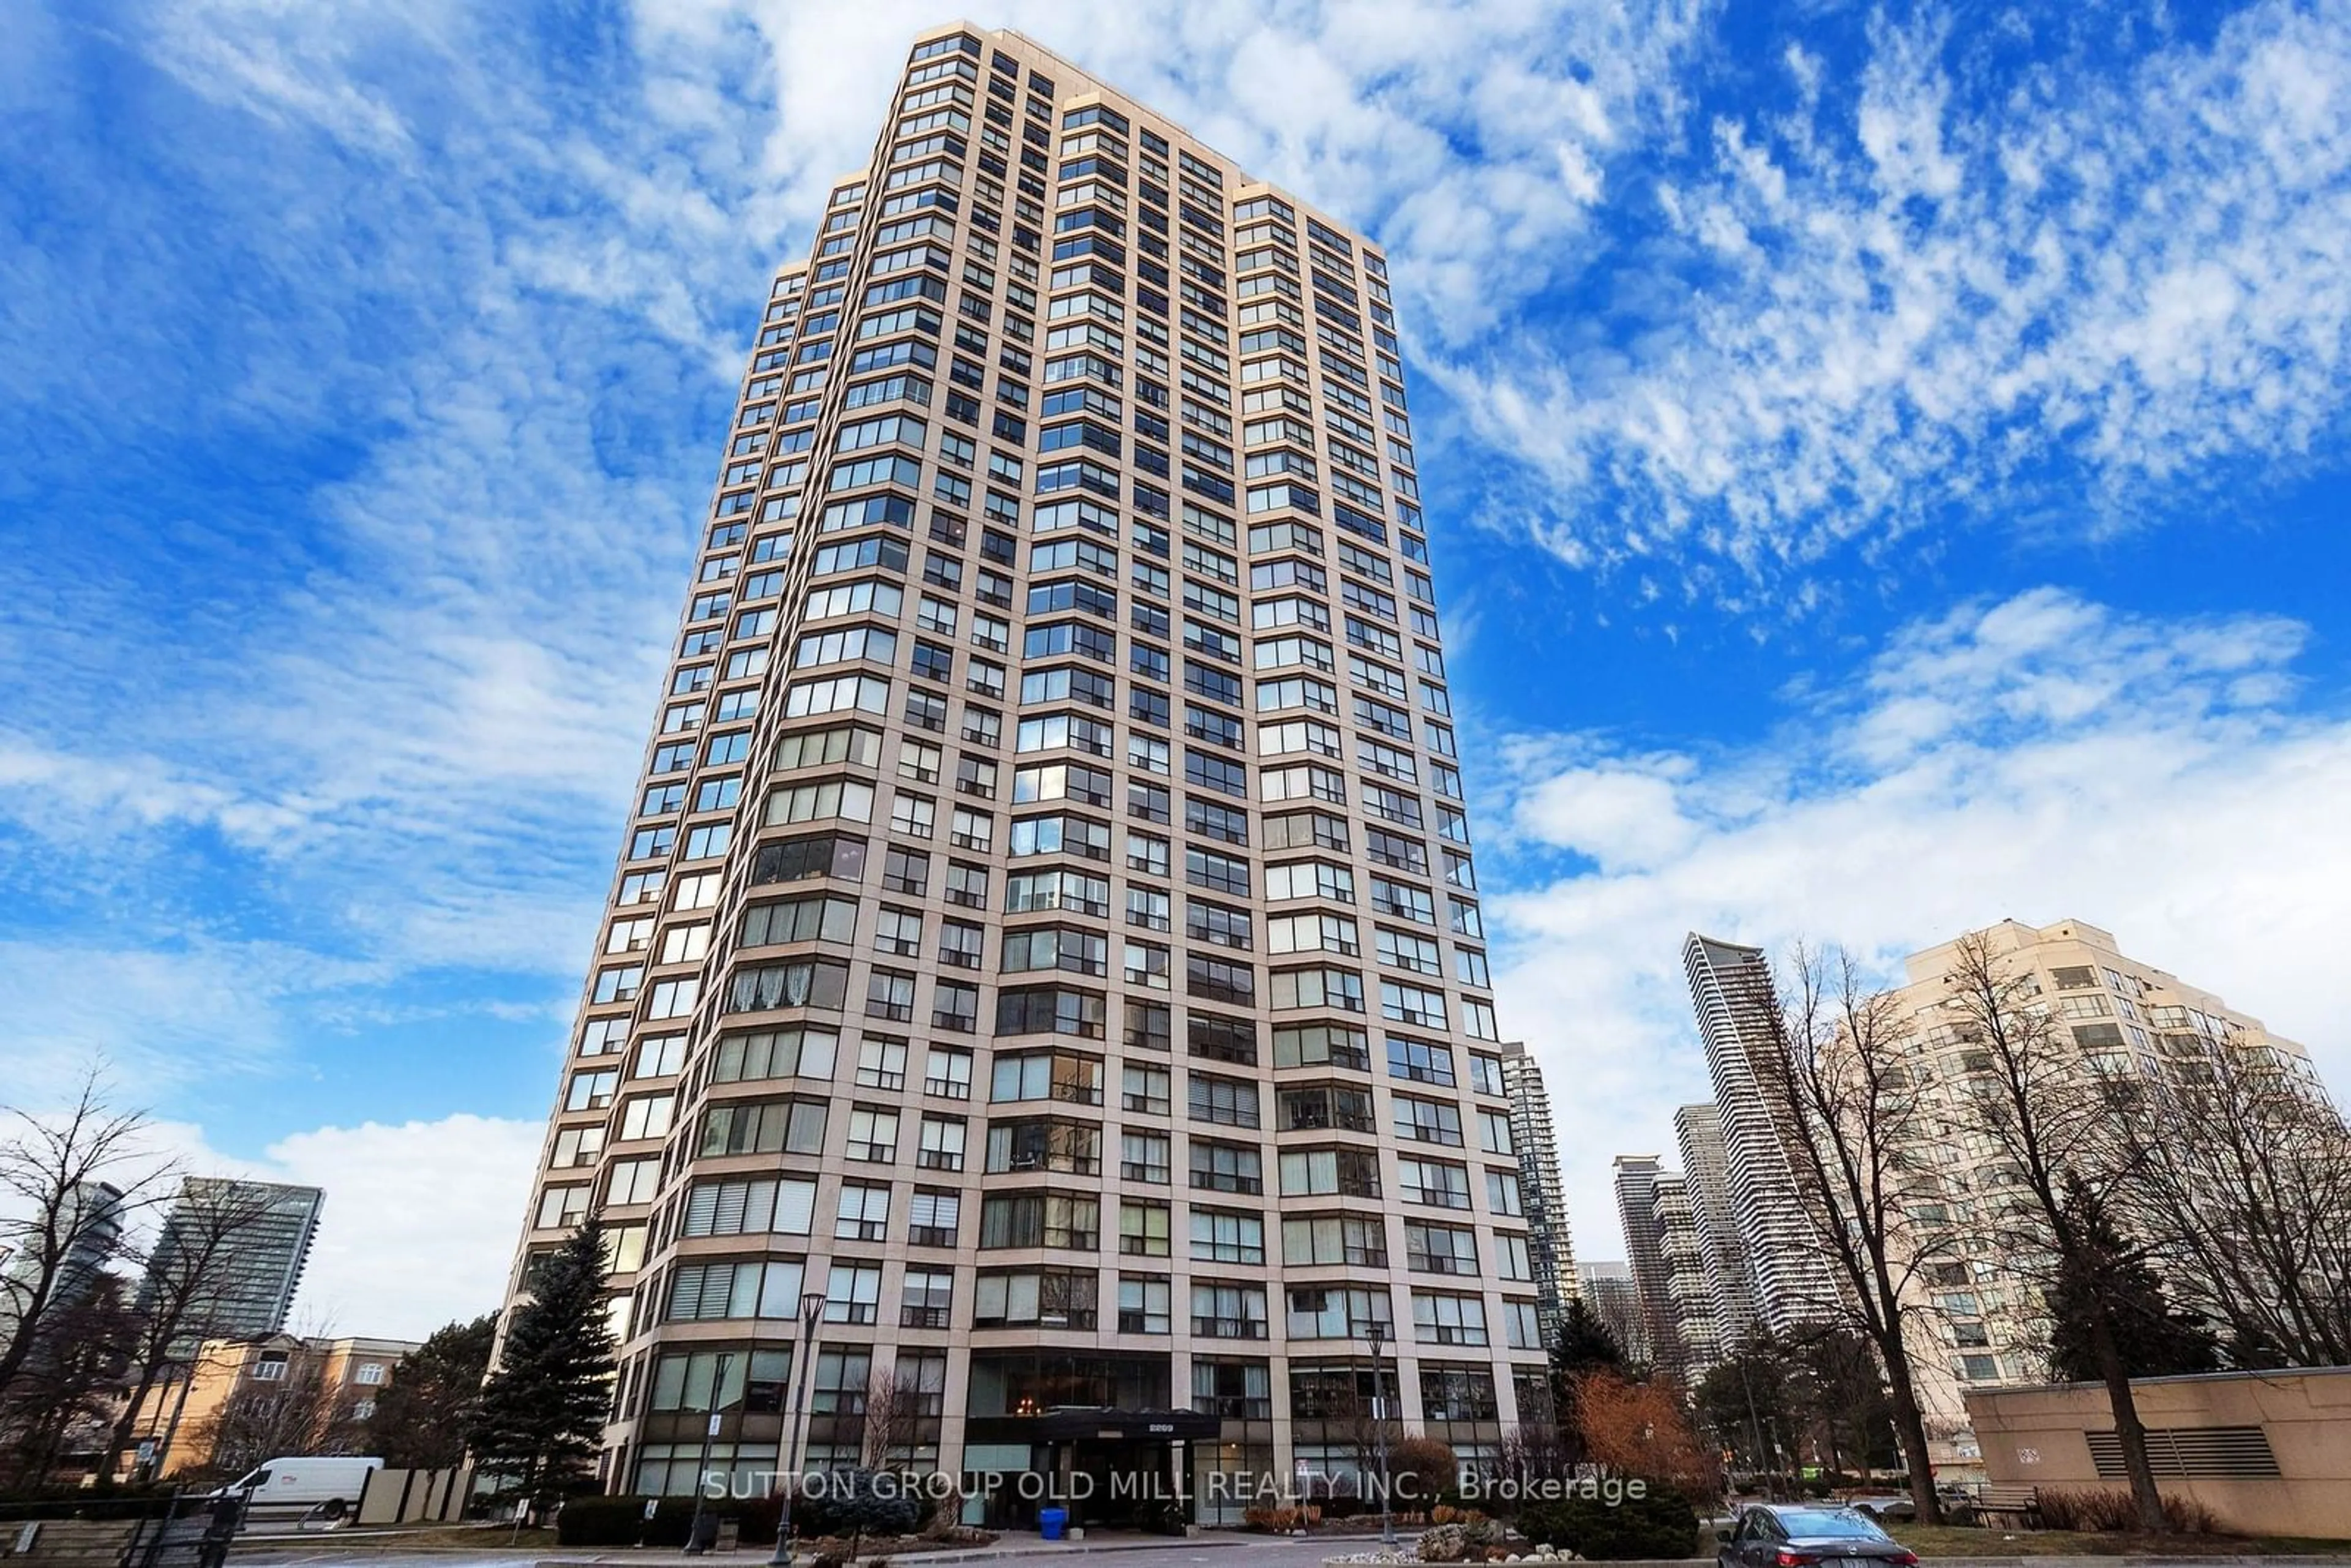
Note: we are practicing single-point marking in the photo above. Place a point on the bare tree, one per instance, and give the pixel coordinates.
(63, 1193)
(299, 1413)
(2243, 1190)
(896, 1408)
(64, 1396)
(1841, 1077)
(2056, 1116)
(1535, 1452)
(182, 1294)
(889, 1405)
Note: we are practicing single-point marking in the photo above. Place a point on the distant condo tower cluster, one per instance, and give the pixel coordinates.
(1724, 1247)
(1045, 951)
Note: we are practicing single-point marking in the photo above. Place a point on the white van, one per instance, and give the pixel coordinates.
(330, 1483)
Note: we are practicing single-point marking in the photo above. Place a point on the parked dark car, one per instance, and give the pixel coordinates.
(1803, 1535)
(1897, 1506)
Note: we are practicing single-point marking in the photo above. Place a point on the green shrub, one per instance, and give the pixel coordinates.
(854, 1503)
(600, 1521)
(1660, 1523)
(620, 1520)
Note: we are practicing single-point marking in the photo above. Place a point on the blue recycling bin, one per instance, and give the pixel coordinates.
(1053, 1521)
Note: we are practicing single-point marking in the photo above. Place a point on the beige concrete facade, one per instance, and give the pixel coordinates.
(1049, 931)
(1983, 1318)
(2269, 1453)
(351, 1372)
(1689, 1294)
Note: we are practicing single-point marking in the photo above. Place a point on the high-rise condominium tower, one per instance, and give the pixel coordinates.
(1689, 1294)
(1047, 932)
(1738, 1015)
(1730, 1285)
(1637, 1179)
(49, 1274)
(1548, 1233)
(249, 1242)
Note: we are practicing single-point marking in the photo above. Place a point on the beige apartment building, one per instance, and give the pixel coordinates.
(316, 1393)
(1046, 935)
(1689, 1296)
(2124, 1015)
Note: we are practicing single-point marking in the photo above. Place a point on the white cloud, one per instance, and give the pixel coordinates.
(158, 1018)
(2040, 758)
(420, 1219)
(1921, 290)
(414, 695)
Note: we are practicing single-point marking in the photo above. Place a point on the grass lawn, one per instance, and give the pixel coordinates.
(395, 1541)
(1932, 1542)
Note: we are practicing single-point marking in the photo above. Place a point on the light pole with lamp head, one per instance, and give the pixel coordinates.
(811, 1314)
(1377, 1333)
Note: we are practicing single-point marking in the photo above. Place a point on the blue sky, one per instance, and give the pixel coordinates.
(1889, 470)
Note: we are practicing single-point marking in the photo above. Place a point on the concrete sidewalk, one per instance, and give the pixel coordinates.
(1021, 1545)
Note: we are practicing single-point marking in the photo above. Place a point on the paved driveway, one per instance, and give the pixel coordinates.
(1211, 1550)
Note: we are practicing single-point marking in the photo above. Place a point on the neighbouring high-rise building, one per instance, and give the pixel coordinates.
(1638, 1213)
(1667, 1259)
(255, 1240)
(1738, 1018)
(1046, 931)
(1548, 1232)
(1731, 1284)
(1980, 1314)
(1689, 1296)
(1609, 1287)
(61, 1251)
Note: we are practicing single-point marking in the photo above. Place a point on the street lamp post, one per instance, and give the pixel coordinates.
(694, 1542)
(1377, 1333)
(1754, 1422)
(811, 1314)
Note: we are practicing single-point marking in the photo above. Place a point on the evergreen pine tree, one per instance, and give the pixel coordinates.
(421, 1418)
(540, 1417)
(2155, 1339)
(1586, 1342)
(1586, 1346)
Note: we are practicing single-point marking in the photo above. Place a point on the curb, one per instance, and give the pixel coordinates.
(929, 1558)
(265, 1554)
(2134, 1560)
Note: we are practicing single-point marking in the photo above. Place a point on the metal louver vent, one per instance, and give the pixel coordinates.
(2180, 1452)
